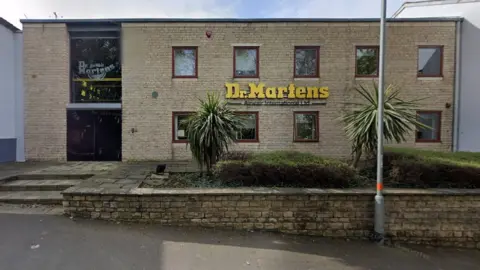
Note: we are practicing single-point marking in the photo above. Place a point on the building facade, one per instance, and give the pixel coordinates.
(11, 93)
(466, 127)
(118, 89)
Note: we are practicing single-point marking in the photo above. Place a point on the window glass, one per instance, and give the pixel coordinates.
(249, 130)
(367, 61)
(96, 70)
(430, 61)
(432, 120)
(306, 62)
(185, 62)
(246, 62)
(180, 127)
(306, 127)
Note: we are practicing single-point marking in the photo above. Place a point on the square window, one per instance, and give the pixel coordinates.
(432, 120)
(185, 61)
(307, 62)
(366, 61)
(245, 62)
(306, 126)
(430, 61)
(249, 132)
(180, 126)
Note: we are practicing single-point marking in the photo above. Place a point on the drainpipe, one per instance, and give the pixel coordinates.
(457, 92)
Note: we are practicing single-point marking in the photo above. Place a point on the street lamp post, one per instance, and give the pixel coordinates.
(379, 200)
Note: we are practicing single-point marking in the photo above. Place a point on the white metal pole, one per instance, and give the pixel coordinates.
(379, 200)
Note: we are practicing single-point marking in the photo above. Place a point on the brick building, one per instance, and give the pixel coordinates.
(117, 89)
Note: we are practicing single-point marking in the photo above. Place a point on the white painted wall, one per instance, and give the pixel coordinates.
(469, 100)
(11, 89)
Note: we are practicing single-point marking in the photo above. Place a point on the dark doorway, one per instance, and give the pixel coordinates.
(94, 135)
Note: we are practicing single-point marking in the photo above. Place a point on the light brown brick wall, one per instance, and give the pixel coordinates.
(147, 67)
(46, 78)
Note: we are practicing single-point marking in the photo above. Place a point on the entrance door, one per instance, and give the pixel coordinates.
(94, 135)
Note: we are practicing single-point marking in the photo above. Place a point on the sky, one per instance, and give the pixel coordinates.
(14, 10)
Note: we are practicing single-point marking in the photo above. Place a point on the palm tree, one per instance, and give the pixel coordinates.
(400, 119)
(211, 130)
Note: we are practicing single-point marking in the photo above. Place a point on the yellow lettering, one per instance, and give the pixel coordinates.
(232, 90)
(291, 91)
(300, 92)
(312, 92)
(256, 91)
(243, 94)
(324, 93)
(281, 91)
(271, 92)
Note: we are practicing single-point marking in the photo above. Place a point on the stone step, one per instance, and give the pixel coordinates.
(31, 197)
(39, 185)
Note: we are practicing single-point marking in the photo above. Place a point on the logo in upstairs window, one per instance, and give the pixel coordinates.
(96, 71)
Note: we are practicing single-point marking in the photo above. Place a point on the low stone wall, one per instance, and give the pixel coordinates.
(433, 217)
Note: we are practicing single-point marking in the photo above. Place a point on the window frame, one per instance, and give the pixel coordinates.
(317, 50)
(440, 75)
(256, 140)
(439, 130)
(196, 62)
(317, 130)
(377, 48)
(257, 48)
(174, 115)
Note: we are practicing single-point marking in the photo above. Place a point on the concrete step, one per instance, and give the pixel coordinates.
(31, 197)
(39, 185)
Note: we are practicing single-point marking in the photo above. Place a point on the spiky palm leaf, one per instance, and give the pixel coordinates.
(399, 118)
(211, 130)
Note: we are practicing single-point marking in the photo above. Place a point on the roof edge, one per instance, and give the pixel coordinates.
(8, 25)
(239, 20)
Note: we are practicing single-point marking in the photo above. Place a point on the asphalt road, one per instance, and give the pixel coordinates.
(50, 242)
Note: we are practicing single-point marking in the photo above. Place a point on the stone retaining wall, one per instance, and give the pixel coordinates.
(434, 217)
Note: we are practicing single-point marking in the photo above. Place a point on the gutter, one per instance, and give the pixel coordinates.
(457, 87)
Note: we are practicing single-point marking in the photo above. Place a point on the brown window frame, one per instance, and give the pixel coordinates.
(174, 138)
(419, 75)
(256, 140)
(257, 48)
(317, 131)
(317, 73)
(196, 62)
(439, 130)
(377, 48)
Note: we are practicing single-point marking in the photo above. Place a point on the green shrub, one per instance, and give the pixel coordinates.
(286, 169)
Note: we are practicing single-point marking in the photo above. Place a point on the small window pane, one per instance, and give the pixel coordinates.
(181, 127)
(306, 62)
(249, 130)
(430, 61)
(367, 61)
(184, 62)
(305, 126)
(431, 120)
(245, 62)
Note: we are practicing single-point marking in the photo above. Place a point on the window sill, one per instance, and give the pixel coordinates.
(179, 141)
(247, 141)
(430, 78)
(365, 78)
(306, 79)
(306, 141)
(428, 141)
(253, 79)
(185, 79)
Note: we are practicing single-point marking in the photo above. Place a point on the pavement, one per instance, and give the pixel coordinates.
(41, 240)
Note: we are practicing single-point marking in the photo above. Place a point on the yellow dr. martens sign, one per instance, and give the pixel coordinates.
(258, 91)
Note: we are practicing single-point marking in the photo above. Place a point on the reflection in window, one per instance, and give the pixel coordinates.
(306, 126)
(432, 120)
(96, 70)
(246, 62)
(430, 61)
(306, 61)
(180, 127)
(185, 62)
(249, 131)
(366, 61)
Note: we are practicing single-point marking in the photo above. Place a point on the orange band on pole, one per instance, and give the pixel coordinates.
(379, 186)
